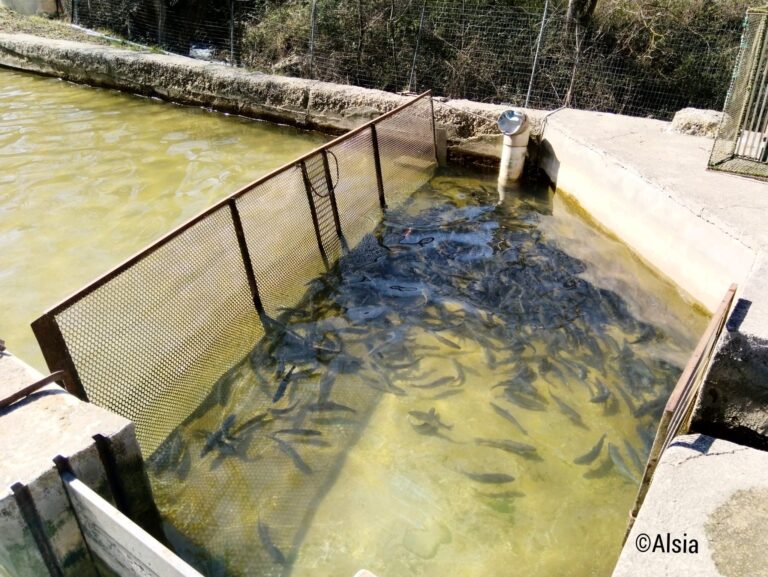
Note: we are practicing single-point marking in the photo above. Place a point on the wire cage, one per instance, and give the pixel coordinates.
(741, 144)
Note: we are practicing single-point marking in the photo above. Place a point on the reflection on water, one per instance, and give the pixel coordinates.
(88, 177)
(473, 388)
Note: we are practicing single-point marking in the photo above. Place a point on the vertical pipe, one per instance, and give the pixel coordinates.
(412, 77)
(377, 164)
(312, 24)
(313, 212)
(56, 353)
(245, 254)
(536, 53)
(332, 198)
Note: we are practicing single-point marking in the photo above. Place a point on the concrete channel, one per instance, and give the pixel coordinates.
(636, 178)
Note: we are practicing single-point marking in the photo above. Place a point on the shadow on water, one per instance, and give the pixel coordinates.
(456, 359)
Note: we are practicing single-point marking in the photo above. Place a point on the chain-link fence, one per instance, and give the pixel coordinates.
(741, 145)
(149, 339)
(648, 64)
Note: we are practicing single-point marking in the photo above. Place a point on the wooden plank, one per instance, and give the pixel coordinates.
(117, 541)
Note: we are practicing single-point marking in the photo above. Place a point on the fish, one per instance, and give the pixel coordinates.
(524, 401)
(601, 471)
(446, 342)
(329, 406)
(219, 436)
(436, 383)
(257, 419)
(274, 552)
(634, 457)
(283, 386)
(592, 454)
(446, 394)
(523, 449)
(431, 418)
(602, 395)
(489, 478)
(509, 417)
(653, 406)
(620, 464)
(501, 494)
(569, 412)
(286, 448)
(299, 432)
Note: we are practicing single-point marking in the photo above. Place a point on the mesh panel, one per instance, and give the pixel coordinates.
(357, 172)
(145, 342)
(407, 150)
(152, 342)
(740, 145)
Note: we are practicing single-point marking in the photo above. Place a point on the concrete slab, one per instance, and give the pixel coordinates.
(712, 497)
(33, 431)
(702, 229)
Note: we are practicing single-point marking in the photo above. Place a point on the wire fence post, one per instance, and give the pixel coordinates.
(536, 53)
(231, 32)
(312, 26)
(412, 77)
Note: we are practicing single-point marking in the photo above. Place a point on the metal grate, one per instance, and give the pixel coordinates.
(741, 145)
(150, 338)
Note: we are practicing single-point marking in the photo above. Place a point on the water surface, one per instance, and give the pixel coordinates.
(89, 176)
(473, 390)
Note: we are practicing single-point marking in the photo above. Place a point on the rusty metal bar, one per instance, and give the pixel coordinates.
(332, 197)
(36, 527)
(247, 264)
(106, 277)
(313, 211)
(377, 164)
(56, 354)
(680, 402)
(57, 377)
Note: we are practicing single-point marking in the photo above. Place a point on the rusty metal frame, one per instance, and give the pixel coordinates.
(46, 328)
(57, 377)
(675, 419)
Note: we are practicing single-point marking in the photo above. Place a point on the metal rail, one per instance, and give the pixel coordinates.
(675, 419)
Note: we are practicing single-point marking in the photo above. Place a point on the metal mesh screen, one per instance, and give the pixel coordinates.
(741, 145)
(150, 339)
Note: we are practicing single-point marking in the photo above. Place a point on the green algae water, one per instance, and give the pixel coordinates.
(472, 390)
(88, 177)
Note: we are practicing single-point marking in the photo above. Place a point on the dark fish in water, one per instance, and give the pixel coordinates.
(252, 422)
(509, 417)
(436, 383)
(446, 342)
(619, 463)
(569, 412)
(524, 401)
(266, 541)
(626, 397)
(329, 406)
(602, 395)
(299, 432)
(592, 454)
(489, 478)
(285, 411)
(501, 494)
(633, 456)
(429, 422)
(446, 394)
(653, 406)
(283, 386)
(219, 436)
(523, 449)
(605, 467)
(286, 448)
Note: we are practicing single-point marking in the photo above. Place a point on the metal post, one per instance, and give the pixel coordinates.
(412, 77)
(308, 188)
(332, 197)
(36, 527)
(536, 54)
(231, 32)
(377, 164)
(312, 24)
(247, 264)
(56, 353)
